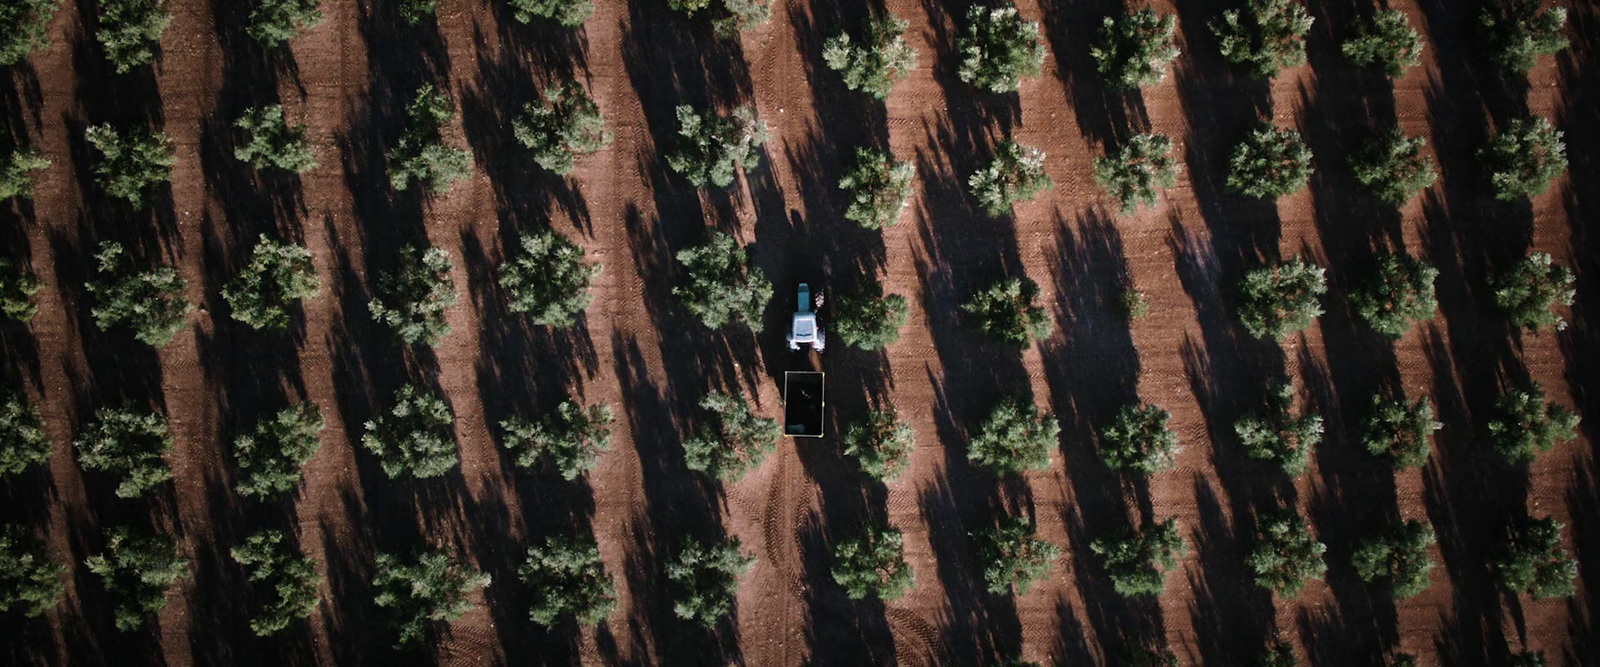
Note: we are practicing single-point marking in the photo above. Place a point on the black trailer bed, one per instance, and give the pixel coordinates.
(802, 404)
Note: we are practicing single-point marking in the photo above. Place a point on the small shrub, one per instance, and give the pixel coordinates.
(414, 439)
(1006, 311)
(1524, 158)
(431, 587)
(998, 49)
(869, 319)
(734, 15)
(129, 444)
(1397, 558)
(278, 275)
(1133, 305)
(413, 300)
(1138, 563)
(291, 579)
(421, 154)
(29, 581)
(879, 188)
(873, 564)
(1132, 172)
(732, 441)
(272, 454)
(1139, 440)
(131, 165)
(572, 438)
(1274, 434)
(566, 126)
(17, 287)
(1517, 32)
(274, 22)
(1399, 431)
(1528, 291)
(713, 148)
(1282, 299)
(1135, 50)
(881, 443)
(1399, 292)
(15, 178)
(1393, 166)
(721, 286)
(130, 31)
(1015, 438)
(23, 442)
(707, 577)
(23, 29)
(151, 301)
(1265, 37)
(1388, 41)
(570, 13)
(1015, 174)
(1269, 163)
(1532, 561)
(137, 570)
(567, 578)
(549, 279)
(1285, 555)
(415, 11)
(1277, 654)
(1527, 658)
(882, 59)
(1013, 557)
(272, 142)
(1524, 425)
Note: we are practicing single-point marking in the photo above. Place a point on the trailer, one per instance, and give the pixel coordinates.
(803, 403)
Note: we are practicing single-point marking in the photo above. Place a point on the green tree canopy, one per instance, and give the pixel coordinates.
(998, 48)
(1274, 433)
(429, 587)
(571, 438)
(29, 581)
(1397, 558)
(1013, 557)
(1014, 174)
(1138, 562)
(129, 444)
(414, 439)
(873, 564)
(413, 300)
(707, 578)
(1286, 555)
(1281, 299)
(277, 275)
(881, 443)
(882, 58)
(549, 279)
(567, 578)
(289, 579)
(1015, 438)
(879, 188)
(421, 155)
(1139, 440)
(713, 148)
(565, 127)
(732, 440)
(720, 286)
(1006, 311)
(136, 570)
(271, 455)
(1264, 36)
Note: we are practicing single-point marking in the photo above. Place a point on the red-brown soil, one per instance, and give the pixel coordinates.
(636, 350)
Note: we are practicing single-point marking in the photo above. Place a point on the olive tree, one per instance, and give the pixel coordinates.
(1524, 424)
(17, 287)
(998, 48)
(1014, 438)
(1397, 558)
(270, 141)
(567, 125)
(29, 581)
(1274, 433)
(1135, 49)
(130, 31)
(1271, 162)
(714, 148)
(136, 570)
(549, 279)
(1524, 158)
(413, 300)
(879, 188)
(881, 60)
(1400, 431)
(289, 579)
(1517, 32)
(1277, 654)
(1139, 440)
(1387, 41)
(270, 456)
(16, 179)
(567, 578)
(869, 319)
(431, 586)
(1393, 167)
(151, 302)
(1264, 36)
(415, 11)
(1530, 288)
(414, 439)
(1281, 299)
(1531, 559)
(729, 17)
(569, 13)
(277, 276)
(1398, 292)
(23, 442)
(706, 577)
(571, 438)
(731, 440)
(129, 444)
(881, 443)
(1013, 557)
(1006, 311)
(1138, 562)
(274, 22)
(873, 564)
(421, 155)
(1527, 658)
(131, 164)
(1286, 555)
(721, 286)
(23, 29)
(1014, 174)
(1133, 172)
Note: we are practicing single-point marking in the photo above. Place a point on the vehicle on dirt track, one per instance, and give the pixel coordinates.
(804, 329)
(802, 404)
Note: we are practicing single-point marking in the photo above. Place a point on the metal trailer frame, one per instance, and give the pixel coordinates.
(810, 424)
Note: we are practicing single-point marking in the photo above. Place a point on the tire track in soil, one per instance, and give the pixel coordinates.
(904, 624)
(774, 515)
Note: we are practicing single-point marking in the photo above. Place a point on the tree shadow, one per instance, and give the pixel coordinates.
(1105, 113)
(1232, 615)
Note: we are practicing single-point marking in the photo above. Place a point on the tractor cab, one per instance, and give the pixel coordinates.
(804, 329)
